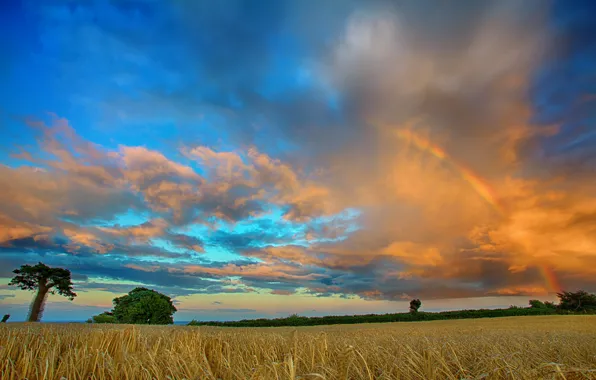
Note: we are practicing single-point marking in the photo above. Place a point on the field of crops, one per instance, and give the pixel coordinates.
(549, 347)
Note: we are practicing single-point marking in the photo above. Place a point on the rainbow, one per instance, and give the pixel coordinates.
(479, 185)
(552, 281)
(467, 175)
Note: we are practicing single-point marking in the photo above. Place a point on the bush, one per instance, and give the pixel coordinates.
(550, 305)
(105, 317)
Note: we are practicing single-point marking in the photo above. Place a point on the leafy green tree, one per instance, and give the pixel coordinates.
(45, 280)
(577, 301)
(550, 305)
(537, 304)
(105, 317)
(415, 305)
(144, 306)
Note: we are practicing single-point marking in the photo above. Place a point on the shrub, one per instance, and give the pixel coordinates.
(550, 305)
(536, 304)
(106, 317)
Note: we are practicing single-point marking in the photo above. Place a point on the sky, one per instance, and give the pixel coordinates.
(263, 158)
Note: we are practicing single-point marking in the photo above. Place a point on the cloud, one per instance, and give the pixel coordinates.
(259, 178)
(235, 310)
(529, 291)
(140, 233)
(259, 271)
(470, 106)
(175, 193)
(225, 310)
(15, 230)
(377, 150)
(280, 292)
(191, 243)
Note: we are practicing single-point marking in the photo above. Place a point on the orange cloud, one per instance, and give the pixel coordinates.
(281, 292)
(13, 230)
(271, 180)
(80, 238)
(521, 291)
(278, 271)
(140, 233)
(414, 254)
(461, 194)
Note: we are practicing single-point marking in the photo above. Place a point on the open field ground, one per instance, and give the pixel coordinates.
(549, 347)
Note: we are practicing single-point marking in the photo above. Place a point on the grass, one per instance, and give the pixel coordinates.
(538, 347)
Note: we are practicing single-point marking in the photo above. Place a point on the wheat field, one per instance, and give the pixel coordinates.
(546, 347)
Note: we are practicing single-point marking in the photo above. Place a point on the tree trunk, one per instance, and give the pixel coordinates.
(37, 305)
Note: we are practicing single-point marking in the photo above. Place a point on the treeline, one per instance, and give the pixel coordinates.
(570, 303)
(296, 320)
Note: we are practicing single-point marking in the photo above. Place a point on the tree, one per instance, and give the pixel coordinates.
(144, 306)
(537, 304)
(45, 280)
(577, 301)
(550, 305)
(105, 317)
(415, 305)
(5, 318)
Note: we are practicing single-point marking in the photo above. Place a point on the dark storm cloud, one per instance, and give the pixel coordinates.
(57, 244)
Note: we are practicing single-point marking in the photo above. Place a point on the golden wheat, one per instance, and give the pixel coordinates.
(550, 347)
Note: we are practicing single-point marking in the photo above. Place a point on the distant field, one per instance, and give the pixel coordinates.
(542, 347)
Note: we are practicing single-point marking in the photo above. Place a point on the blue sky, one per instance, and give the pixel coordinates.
(242, 156)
